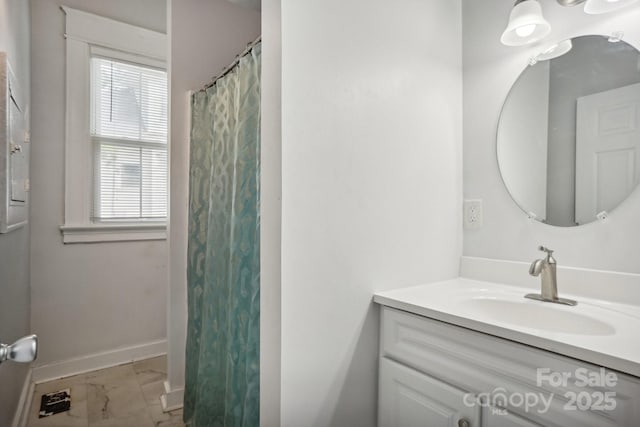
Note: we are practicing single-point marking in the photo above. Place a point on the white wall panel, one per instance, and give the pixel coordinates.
(371, 186)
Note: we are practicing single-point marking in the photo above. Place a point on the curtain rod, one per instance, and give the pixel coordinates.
(231, 66)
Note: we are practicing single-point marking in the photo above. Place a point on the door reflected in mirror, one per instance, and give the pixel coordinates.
(568, 139)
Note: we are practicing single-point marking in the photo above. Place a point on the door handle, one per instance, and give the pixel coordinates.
(24, 350)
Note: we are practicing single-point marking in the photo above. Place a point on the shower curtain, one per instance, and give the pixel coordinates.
(223, 333)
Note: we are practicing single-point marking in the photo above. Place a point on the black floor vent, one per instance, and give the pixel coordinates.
(54, 403)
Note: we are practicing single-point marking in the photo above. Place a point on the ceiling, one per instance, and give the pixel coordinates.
(253, 4)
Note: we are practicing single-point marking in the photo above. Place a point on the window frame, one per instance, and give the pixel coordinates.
(90, 35)
(98, 140)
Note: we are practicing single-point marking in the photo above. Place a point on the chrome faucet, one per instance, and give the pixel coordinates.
(549, 288)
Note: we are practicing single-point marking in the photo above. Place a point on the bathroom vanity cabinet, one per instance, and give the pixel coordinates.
(437, 374)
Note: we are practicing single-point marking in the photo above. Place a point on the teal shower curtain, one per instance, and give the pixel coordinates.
(223, 333)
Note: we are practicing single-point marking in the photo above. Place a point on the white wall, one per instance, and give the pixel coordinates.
(86, 298)
(371, 186)
(14, 246)
(206, 35)
(489, 71)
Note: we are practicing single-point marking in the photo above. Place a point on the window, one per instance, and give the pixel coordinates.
(116, 165)
(129, 136)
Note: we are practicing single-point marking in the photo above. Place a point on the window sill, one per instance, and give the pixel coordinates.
(96, 233)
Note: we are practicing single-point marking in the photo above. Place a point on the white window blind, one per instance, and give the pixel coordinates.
(129, 136)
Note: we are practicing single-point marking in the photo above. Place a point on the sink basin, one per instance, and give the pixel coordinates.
(537, 315)
(602, 332)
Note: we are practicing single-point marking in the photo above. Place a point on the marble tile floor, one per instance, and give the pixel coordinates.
(122, 396)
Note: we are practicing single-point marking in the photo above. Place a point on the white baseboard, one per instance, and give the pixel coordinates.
(93, 362)
(24, 404)
(172, 399)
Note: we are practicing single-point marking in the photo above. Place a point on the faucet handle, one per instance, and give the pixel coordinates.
(547, 250)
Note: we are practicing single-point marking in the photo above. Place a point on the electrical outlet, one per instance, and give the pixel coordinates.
(472, 214)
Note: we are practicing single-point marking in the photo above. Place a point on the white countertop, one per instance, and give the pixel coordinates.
(601, 332)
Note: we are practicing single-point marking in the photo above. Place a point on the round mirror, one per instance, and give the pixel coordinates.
(568, 139)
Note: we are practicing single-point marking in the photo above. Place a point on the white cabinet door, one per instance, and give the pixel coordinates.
(494, 417)
(409, 398)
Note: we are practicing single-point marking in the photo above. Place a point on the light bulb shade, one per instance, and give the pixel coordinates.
(596, 7)
(526, 24)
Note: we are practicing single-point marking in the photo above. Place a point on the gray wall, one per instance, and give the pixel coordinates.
(523, 140)
(86, 298)
(574, 75)
(490, 69)
(270, 213)
(14, 247)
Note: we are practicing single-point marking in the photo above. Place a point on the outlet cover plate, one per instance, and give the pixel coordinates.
(472, 211)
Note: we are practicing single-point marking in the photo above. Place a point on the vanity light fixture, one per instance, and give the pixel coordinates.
(526, 24)
(570, 3)
(595, 7)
